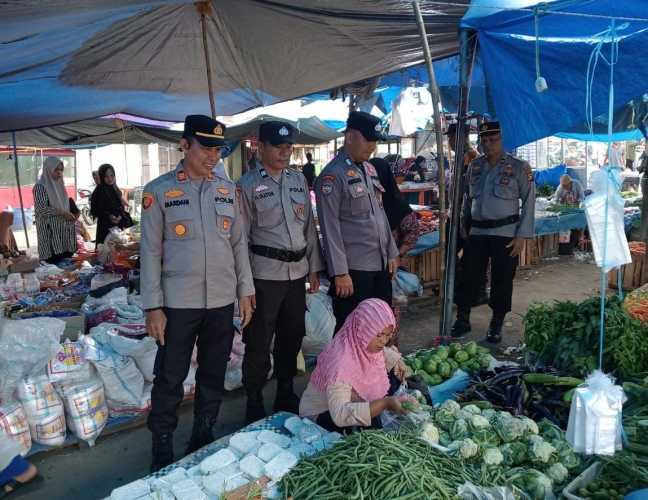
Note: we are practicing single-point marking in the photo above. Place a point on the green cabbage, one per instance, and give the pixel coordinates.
(486, 438)
(444, 418)
(459, 429)
(489, 413)
(514, 453)
(492, 456)
(530, 427)
(533, 482)
(444, 438)
(550, 431)
(558, 473)
(540, 450)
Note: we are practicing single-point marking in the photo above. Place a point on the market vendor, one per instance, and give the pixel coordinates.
(361, 254)
(285, 253)
(350, 386)
(194, 265)
(569, 192)
(501, 203)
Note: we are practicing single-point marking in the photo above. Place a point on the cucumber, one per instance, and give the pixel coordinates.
(545, 379)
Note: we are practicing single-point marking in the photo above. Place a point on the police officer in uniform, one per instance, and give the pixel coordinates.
(360, 252)
(285, 251)
(501, 203)
(194, 266)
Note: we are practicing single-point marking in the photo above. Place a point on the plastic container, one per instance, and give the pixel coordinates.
(570, 491)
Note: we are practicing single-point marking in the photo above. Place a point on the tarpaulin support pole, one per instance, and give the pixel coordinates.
(436, 104)
(22, 205)
(466, 58)
(205, 9)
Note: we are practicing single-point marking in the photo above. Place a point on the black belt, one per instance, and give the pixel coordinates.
(493, 223)
(278, 254)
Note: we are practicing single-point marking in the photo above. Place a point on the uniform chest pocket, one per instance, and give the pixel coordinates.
(507, 191)
(224, 217)
(177, 209)
(179, 230)
(359, 199)
(298, 202)
(268, 211)
(474, 188)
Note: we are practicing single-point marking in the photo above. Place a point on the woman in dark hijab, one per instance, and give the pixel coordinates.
(402, 220)
(106, 204)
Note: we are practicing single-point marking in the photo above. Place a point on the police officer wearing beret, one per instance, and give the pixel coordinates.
(501, 203)
(194, 266)
(360, 252)
(285, 251)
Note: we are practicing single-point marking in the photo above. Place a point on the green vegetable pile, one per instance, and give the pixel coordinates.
(635, 416)
(436, 365)
(546, 190)
(620, 475)
(566, 335)
(535, 458)
(560, 208)
(379, 465)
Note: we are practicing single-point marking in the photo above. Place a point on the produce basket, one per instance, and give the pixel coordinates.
(587, 476)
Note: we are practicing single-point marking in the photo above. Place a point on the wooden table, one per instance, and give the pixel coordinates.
(420, 190)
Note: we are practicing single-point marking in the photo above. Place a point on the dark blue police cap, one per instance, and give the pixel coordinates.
(207, 131)
(277, 132)
(367, 124)
(489, 128)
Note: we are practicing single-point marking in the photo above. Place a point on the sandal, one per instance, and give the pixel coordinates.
(18, 488)
(494, 337)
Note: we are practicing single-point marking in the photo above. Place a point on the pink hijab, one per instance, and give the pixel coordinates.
(347, 360)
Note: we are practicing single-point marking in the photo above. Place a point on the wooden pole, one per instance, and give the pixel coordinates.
(205, 9)
(22, 205)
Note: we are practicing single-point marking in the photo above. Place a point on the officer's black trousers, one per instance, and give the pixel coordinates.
(475, 261)
(366, 285)
(280, 311)
(215, 332)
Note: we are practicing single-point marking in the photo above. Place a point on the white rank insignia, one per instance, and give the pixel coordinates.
(283, 131)
(378, 127)
(260, 188)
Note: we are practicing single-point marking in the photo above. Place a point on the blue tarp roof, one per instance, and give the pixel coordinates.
(568, 32)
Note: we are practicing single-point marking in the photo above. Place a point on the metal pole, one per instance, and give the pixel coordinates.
(467, 48)
(436, 103)
(205, 9)
(22, 205)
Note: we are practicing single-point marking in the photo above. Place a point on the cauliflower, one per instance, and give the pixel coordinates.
(507, 427)
(558, 473)
(489, 413)
(530, 427)
(478, 422)
(540, 450)
(459, 429)
(464, 448)
(533, 482)
(429, 433)
(444, 418)
(514, 453)
(492, 456)
(451, 406)
(474, 409)
(485, 438)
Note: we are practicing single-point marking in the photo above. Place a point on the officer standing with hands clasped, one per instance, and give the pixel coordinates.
(360, 252)
(284, 250)
(501, 203)
(194, 266)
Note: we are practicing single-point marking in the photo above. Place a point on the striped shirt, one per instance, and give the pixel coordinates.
(55, 233)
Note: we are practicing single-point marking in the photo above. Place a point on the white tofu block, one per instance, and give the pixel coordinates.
(330, 438)
(309, 433)
(252, 466)
(280, 465)
(302, 450)
(244, 442)
(188, 490)
(293, 424)
(222, 458)
(268, 451)
(218, 483)
(194, 471)
(275, 438)
(131, 491)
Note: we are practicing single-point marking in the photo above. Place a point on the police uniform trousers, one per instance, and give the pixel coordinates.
(366, 285)
(214, 331)
(279, 314)
(477, 252)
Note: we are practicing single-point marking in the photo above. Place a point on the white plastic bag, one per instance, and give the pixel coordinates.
(469, 491)
(13, 422)
(26, 346)
(9, 449)
(320, 323)
(44, 410)
(143, 351)
(609, 243)
(69, 364)
(595, 419)
(123, 383)
(85, 408)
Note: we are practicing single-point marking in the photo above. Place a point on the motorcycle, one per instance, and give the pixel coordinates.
(83, 203)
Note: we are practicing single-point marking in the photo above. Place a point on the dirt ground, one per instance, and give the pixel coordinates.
(91, 473)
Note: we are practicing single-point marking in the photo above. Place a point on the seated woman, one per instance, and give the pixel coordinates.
(569, 192)
(107, 204)
(16, 474)
(8, 247)
(351, 384)
(80, 231)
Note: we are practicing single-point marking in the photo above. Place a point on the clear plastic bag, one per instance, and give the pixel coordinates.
(25, 348)
(320, 323)
(392, 421)
(408, 283)
(13, 422)
(469, 491)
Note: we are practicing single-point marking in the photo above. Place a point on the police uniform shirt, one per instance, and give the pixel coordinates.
(355, 229)
(505, 190)
(277, 213)
(194, 249)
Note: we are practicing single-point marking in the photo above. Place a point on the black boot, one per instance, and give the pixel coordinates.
(255, 408)
(201, 433)
(494, 334)
(286, 399)
(462, 326)
(162, 451)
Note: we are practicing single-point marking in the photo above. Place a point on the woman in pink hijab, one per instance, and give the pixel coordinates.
(350, 384)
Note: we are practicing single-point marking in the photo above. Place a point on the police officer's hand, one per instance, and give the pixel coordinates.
(516, 245)
(156, 324)
(246, 310)
(343, 286)
(392, 266)
(313, 281)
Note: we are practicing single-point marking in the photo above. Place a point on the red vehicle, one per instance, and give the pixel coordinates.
(30, 164)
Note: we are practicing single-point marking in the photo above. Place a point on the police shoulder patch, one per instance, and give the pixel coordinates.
(147, 201)
(327, 187)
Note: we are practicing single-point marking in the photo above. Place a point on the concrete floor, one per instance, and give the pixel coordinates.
(91, 473)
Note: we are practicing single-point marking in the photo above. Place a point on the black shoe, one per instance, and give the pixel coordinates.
(494, 334)
(255, 409)
(201, 432)
(460, 328)
(162, 451)
(286, 399)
